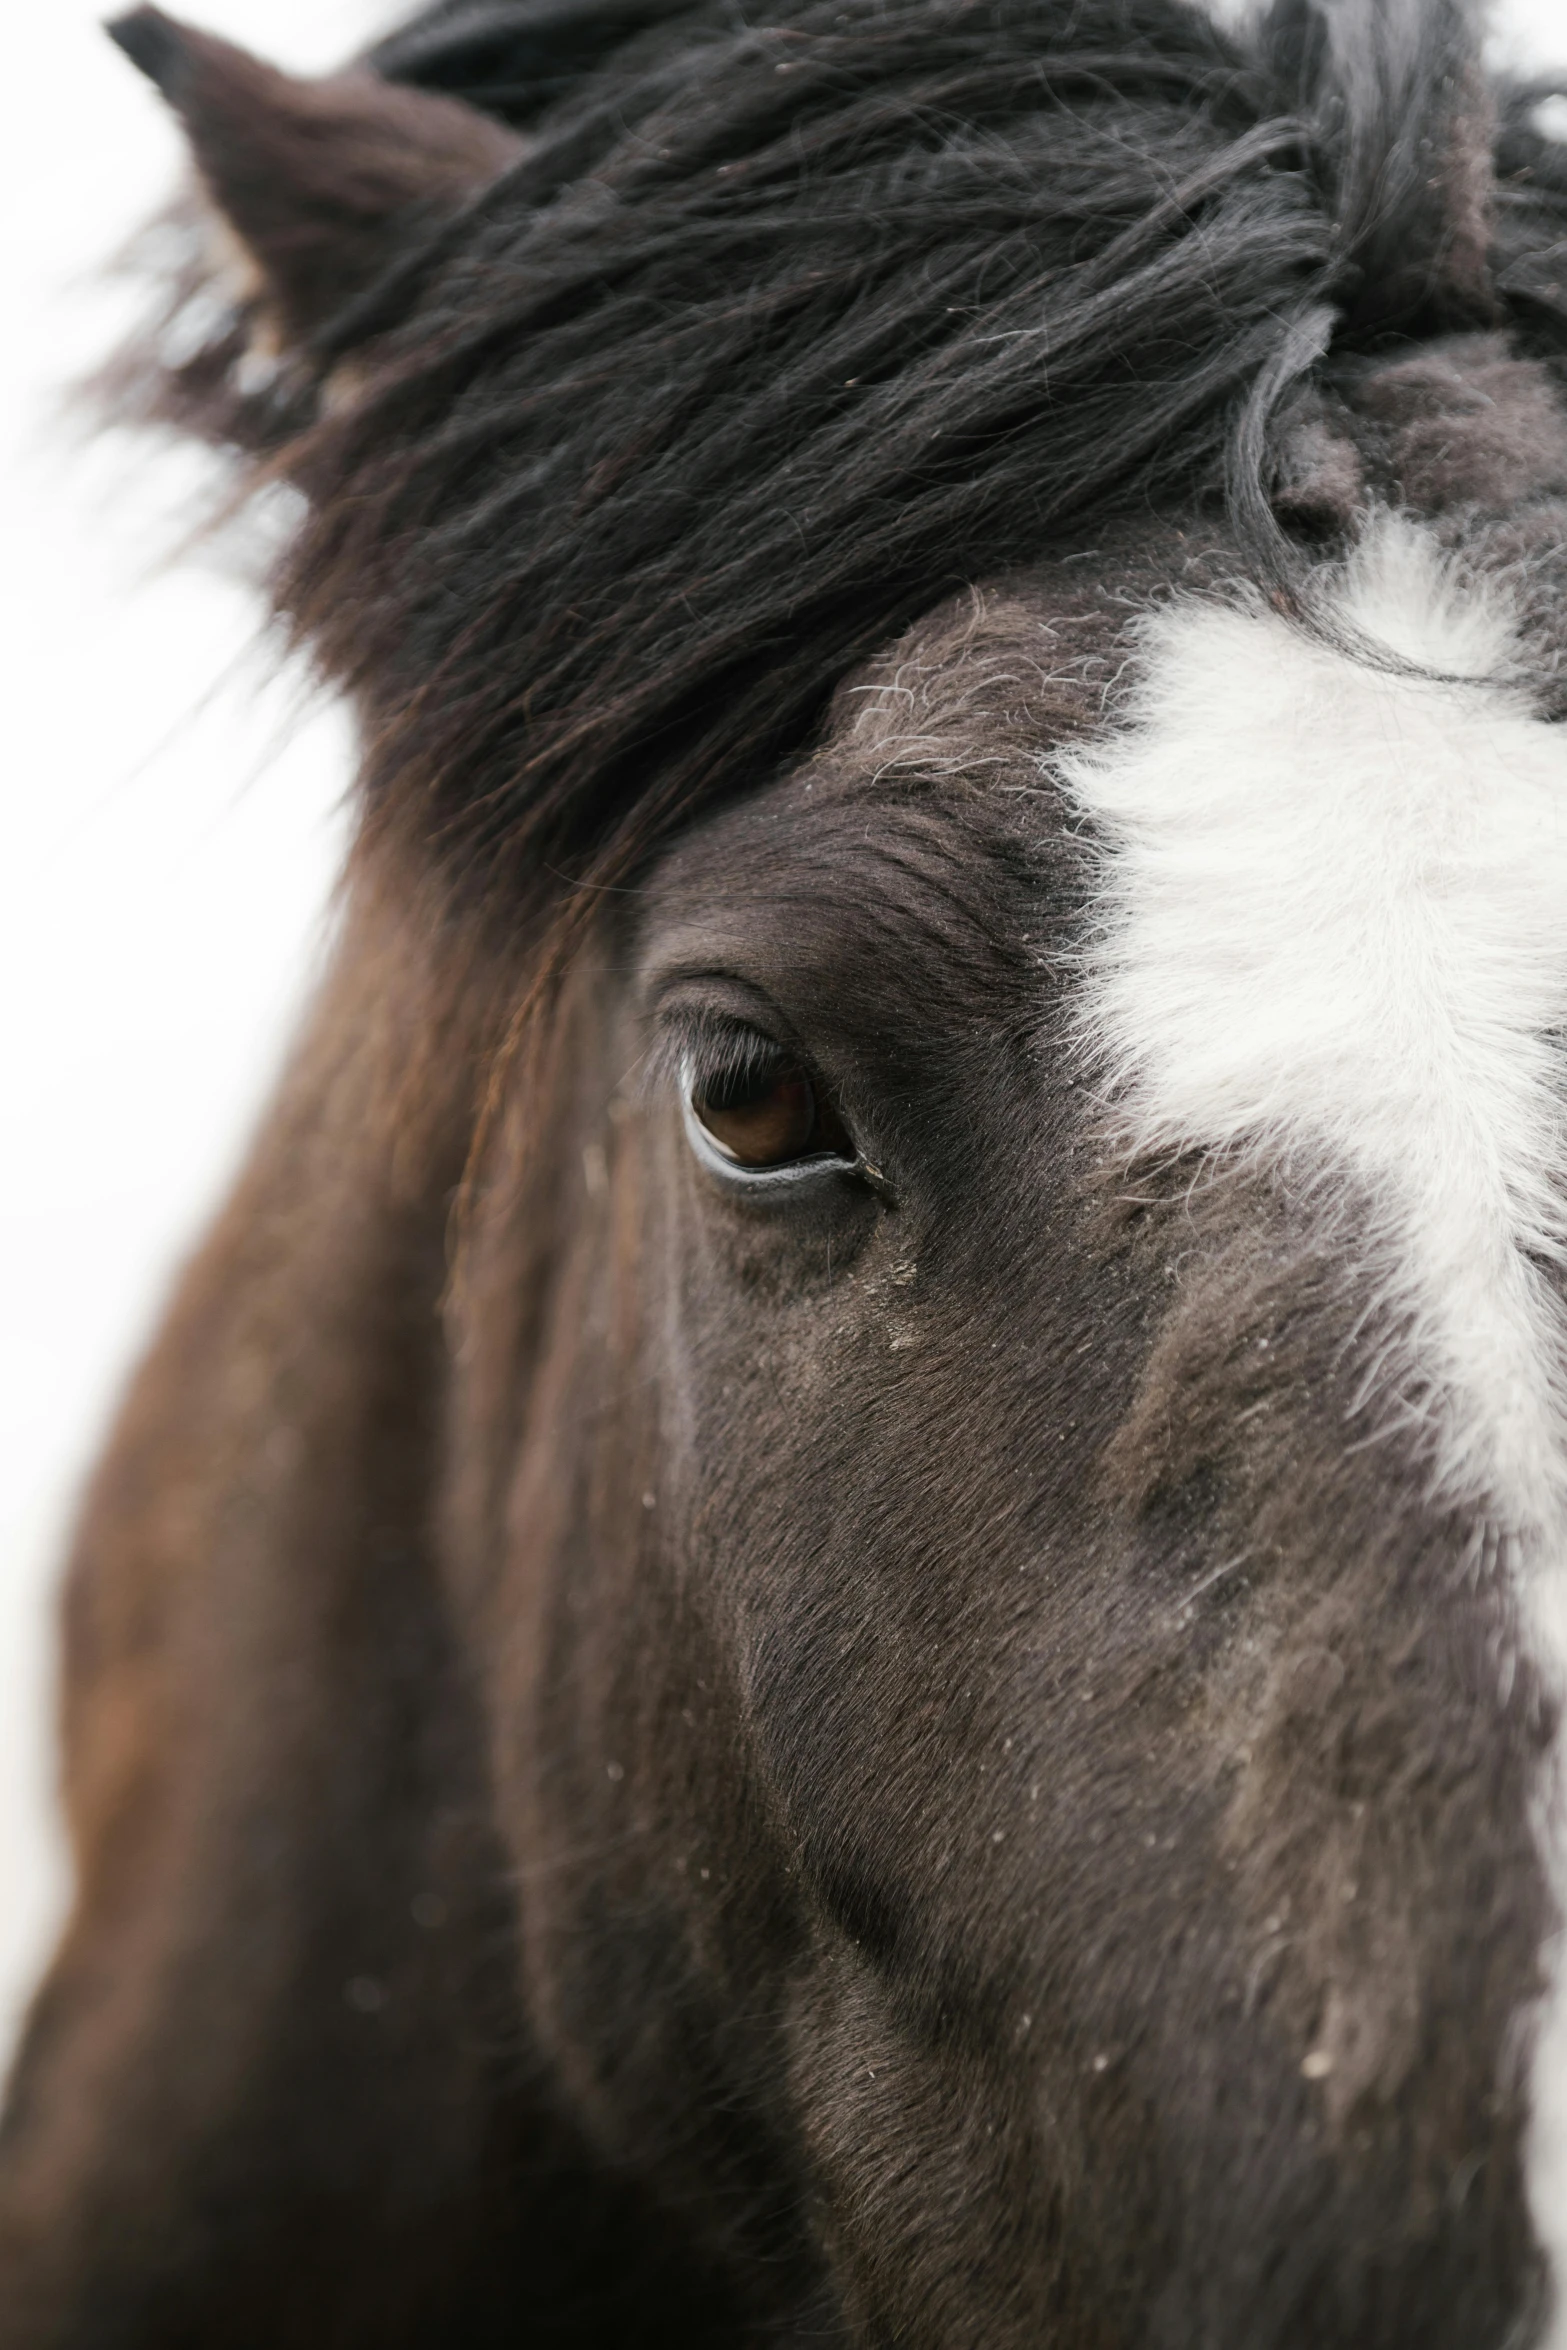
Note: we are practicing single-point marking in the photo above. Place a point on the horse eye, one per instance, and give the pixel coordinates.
(764, 1117)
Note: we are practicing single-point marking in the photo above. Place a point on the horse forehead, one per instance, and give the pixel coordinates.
(1332, 872)
(1330, 923)
(1328, 940)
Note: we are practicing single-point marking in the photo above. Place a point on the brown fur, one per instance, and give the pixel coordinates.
(650, 1763)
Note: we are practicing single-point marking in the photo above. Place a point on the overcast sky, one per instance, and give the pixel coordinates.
(173, 819)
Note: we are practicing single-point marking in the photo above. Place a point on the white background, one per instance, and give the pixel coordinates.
(170, 827)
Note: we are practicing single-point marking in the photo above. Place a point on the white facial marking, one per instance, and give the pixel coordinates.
(1334, 940)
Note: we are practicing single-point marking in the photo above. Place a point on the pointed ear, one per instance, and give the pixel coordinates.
(322, 182)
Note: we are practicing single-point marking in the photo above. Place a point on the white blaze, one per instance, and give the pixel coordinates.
(1333, 939)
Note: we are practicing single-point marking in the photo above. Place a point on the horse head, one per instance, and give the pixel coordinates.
(838, 1609)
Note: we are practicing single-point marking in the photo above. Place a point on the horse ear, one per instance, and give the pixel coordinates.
(323, 182)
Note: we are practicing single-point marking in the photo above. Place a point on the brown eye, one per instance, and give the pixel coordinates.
(765, 1116)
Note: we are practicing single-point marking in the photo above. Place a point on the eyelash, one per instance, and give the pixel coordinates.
(695, 1045)
(729, 1056)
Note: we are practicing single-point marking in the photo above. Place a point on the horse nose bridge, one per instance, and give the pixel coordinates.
(1311, 1984)
(1311, 1629)
(1314, 1763)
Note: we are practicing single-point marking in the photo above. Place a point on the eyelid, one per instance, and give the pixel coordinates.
(751, 1052)
(703, 1034)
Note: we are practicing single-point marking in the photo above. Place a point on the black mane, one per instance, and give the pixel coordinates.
(787, 329)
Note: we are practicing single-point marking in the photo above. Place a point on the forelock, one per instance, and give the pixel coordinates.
(784, 334)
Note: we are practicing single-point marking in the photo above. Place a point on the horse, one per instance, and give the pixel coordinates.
(836, 1611)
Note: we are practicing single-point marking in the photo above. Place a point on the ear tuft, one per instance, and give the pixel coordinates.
(154, 44)
(325, 183)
